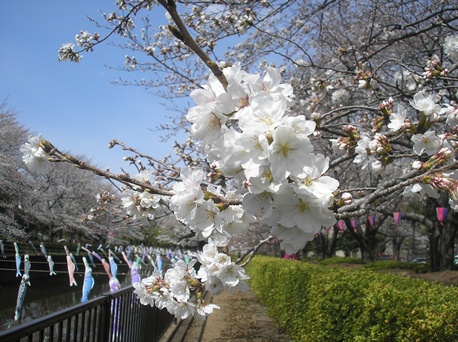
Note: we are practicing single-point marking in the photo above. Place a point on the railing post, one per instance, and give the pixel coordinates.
(105, 319)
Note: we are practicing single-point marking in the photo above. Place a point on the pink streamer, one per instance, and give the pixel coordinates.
(341, 224)
(354, 224)
(397, 217)
(441, 212)
(371, 220)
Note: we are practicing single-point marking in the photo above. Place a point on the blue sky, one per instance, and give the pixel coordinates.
(73, 105)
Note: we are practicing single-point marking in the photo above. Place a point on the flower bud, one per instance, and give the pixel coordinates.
(417, 165)
(315, 116)
(377, 167)
(347, 198)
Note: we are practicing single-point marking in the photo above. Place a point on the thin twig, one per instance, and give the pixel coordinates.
(253, 252)
(181, 32)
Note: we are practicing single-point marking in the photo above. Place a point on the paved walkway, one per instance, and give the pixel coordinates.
(240, 319)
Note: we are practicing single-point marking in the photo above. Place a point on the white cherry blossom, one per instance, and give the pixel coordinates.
(260, 205)
(451, 112)
(300, 124)
(292, 239)
(426, 104)
(305, 212)
(422, 189)
(206, 122)
(428, 142)
(34, 156)
(227, 152)
(256, 147)
(263, 181)
(363, 157)
(144, 176)
(313, 181)
(451, 47)
(206, 219)
(377, 167)
(288, 153)
(267, 113)
(397, 119)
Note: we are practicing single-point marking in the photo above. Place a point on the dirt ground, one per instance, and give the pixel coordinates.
(444, 277)
(242, 319)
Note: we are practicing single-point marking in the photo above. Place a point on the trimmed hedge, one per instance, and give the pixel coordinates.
(324, 303)
(387, 264)
(340, 260)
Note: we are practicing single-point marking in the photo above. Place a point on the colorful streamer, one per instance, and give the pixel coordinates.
(88, 281)
(43, 250)
(371, 219)
(341, 226)
(70, 268)
(354, 224)
(18, 260)
(441, 213)
(33, 246)
(397, 217)
(2, 247)
(20, 297)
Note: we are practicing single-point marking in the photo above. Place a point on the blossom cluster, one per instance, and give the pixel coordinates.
(202, 211)
(140, 205)
(182, 289)
(219, 272)
(34, 156)
(376, 150)
(247, 131)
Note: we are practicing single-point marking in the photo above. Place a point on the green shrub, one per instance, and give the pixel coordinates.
(404, 309)
(273, 277)
(331, 320)
(316, 303)
(421, 268)
(388, 264)
(340, 260)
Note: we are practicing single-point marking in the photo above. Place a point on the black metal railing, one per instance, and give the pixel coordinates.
(115, 317)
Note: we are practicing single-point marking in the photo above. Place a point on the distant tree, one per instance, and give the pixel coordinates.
(61, 199)
(52, 205)
(14, 187)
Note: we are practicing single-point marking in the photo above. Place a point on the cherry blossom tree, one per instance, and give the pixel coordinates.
(55, 204)
(323, 111)
(62, 200)
(13, 188)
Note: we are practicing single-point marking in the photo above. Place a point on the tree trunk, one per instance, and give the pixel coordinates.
(441, 244)
(367, 248)
(331, 250)
(442, 237)
(368, 254)
(328, 242)
(323, 242)
(367, 241)
(397, 244)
